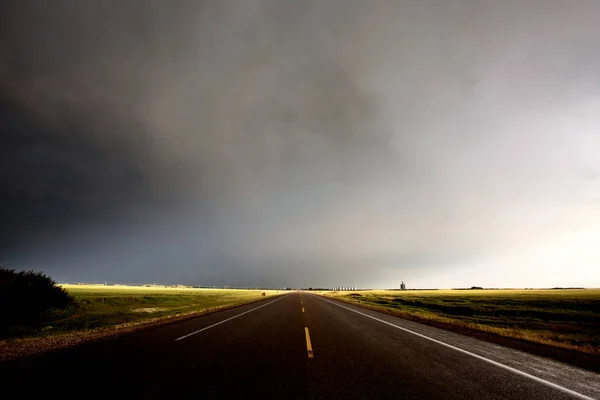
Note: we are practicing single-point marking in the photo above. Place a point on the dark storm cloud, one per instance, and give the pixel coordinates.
(74, 147)
(112, 107)
(295, 143)
(54, 179)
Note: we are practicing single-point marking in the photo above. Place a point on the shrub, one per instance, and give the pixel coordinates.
(28, 298)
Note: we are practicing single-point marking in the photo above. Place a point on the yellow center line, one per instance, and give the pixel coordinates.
(308, 345)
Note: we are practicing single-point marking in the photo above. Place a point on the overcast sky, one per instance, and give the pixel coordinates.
(302, 143)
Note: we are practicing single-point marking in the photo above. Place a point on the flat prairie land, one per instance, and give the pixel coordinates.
(99, 306)
(567, 319)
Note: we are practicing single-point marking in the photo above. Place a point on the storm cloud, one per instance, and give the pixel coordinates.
(312, 143)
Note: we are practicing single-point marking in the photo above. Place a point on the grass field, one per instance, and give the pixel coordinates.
(568, 319)
(104, 306)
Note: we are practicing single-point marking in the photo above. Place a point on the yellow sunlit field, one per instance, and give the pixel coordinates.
(99, 306)
(567, 319)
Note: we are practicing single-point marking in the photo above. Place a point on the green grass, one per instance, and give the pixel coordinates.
(561, 318)
(105, 306)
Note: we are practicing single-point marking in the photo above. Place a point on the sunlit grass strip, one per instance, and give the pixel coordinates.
(113, 312)
(567, 319)
(105, 306)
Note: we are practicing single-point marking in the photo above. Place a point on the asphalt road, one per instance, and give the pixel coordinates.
(262, 350)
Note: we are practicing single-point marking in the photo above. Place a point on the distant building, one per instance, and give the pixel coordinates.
(402, 286)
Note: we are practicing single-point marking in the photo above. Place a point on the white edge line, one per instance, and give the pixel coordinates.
(511, 369)
(228, 319)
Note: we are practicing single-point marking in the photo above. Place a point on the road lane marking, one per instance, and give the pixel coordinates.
(308, 345)
(497, 364)
(225, 320)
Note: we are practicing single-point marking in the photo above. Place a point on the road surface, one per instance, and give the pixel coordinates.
(296, 346)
